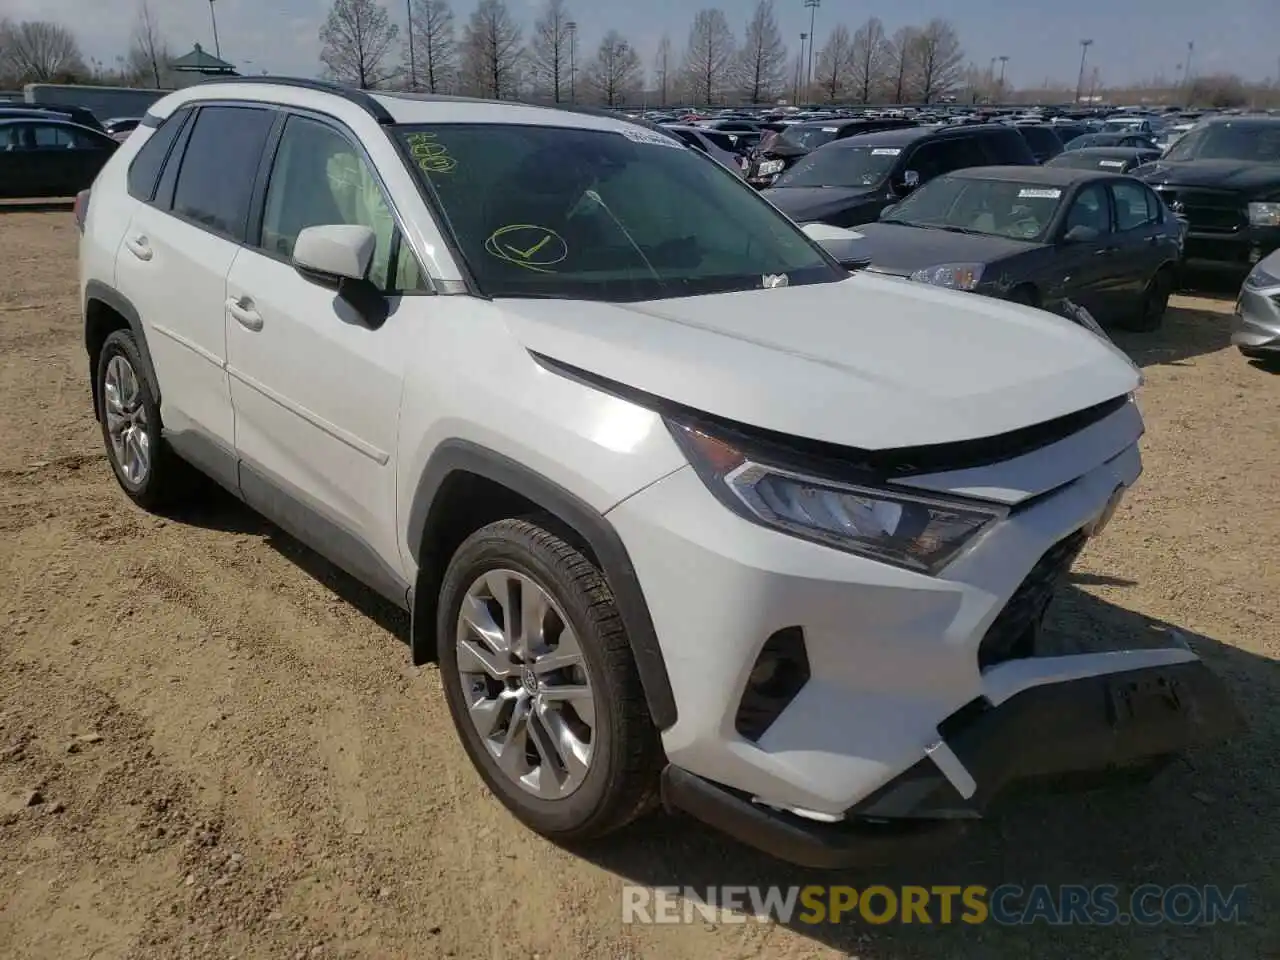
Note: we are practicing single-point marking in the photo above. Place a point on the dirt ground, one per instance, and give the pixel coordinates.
(213, 745)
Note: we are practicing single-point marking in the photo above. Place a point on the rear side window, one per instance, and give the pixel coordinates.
(1007, 146)
(219, 165)
(145, 169)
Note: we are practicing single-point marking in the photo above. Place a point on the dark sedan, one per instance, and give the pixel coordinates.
(1112, 140)
(49, 158)
(1039, 236)
(799, 139)
(1106, 159)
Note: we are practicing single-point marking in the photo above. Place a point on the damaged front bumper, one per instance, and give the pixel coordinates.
(1083, 731)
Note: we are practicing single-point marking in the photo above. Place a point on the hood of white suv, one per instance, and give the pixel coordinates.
(870, 362)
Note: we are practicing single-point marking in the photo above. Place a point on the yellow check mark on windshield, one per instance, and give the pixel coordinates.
(526, 254)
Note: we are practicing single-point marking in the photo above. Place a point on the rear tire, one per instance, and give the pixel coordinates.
(1155, 301)
(146, 468)
(572, 765)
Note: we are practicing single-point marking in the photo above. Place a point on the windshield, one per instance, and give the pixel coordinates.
(601, 215)
(997, 208)
(1256, 142)
(807, 137)
(842, 166)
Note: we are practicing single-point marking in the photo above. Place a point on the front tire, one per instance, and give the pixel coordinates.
(146, 469)
(541, 684)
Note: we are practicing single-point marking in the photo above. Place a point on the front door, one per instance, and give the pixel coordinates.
(314, 384)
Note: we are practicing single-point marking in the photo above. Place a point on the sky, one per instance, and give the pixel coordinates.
(1133, 39)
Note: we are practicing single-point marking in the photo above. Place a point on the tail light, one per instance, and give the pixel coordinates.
(81, 209)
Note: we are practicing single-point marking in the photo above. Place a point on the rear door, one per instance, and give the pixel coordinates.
(1141, 240)
(173, 265)
(1092, 265)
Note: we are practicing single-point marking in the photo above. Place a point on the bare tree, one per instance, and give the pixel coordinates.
(491, 50)
(38, 51)
(762, 62)
(356, 40)
(615, 72)
(662, 69)
(835, 64)
(549, 51)
(939, 60)
(870, 55)
(149, 55)
(434, 38)
(902, 50)
(708, 60)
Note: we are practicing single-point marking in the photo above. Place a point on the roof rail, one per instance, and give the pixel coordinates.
(360, 98)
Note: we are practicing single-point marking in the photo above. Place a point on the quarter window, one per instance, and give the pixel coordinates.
(215, 182)
(145, 169)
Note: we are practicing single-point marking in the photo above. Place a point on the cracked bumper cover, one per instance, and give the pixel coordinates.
(1089, 730)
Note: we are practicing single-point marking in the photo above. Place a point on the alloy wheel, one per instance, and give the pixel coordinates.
(126, 417)
(525, 683)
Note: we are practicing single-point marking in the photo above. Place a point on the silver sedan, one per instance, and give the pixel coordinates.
(1257, 322)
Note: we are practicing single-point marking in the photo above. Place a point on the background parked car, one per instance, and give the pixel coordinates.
(1106, 159)
(798, 139)
(849, 182)
(1113, 140)
(1224, 178)
(714, 144)
(119, 128)
(1037, 235)
(49, 158)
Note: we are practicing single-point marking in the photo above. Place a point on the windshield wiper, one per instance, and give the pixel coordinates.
(952, 229)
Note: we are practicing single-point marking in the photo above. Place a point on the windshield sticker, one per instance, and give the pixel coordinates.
(886, 151)
(1111, 163)
(830, 129)
(651, 137)
(430, 155)
(527, 245)
(1029, 194)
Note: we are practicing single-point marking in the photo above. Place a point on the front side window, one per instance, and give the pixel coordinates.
(942, 156)
(321, 178)
(603, 215)
(215, 181)
(999, 208)
(1090, 210)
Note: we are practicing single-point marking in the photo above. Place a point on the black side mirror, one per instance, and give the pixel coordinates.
(1080, 234)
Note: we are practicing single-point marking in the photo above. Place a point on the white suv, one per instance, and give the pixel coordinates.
(680, 506)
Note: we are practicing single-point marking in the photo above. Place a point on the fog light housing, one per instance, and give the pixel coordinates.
(781, 670)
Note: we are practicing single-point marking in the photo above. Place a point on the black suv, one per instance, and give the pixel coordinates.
(1223, 178)
(799, 139)
(850, 181)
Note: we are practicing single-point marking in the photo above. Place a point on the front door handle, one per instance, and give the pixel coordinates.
(1106, 251)
(139, 246)
(246, 316)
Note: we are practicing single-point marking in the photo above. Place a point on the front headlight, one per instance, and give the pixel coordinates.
(768, 167)
(920, 533)
(1264, 214)
(1259, 278)
(957, 276)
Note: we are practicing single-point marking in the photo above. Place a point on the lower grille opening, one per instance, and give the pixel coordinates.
(1014, 632)
(779, 673)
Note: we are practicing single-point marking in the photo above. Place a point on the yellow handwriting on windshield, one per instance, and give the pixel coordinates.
(430, 155)
(527, 245)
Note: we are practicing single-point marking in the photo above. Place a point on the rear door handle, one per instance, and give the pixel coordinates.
(246, 316)
(1107, 251)
(139, 246)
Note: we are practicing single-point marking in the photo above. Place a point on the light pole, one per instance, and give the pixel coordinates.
(572, 29)
(217, 47)
(800, 66)
(812, 6)
(1004, 60)
(413, 59)
(1186, 74)
(1084, 52)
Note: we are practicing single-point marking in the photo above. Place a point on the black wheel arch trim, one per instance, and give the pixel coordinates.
(456, 455)
(120, 304)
